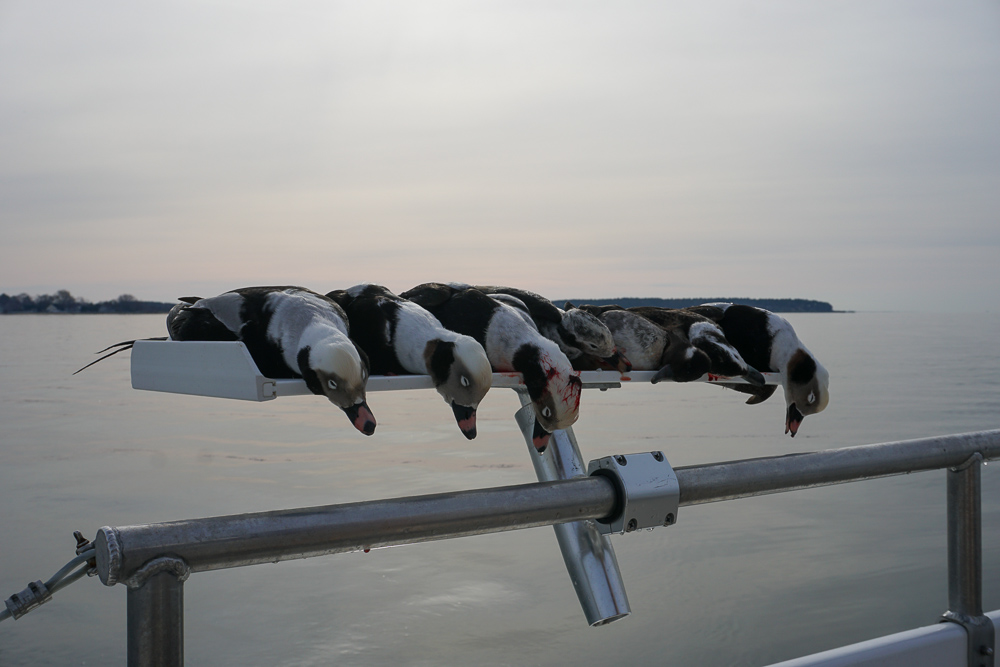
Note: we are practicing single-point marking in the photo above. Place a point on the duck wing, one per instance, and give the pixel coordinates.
(191, 322)
(340, 297)
(429, 295)
(594, 310)
(540, 308)
(714, 313)
(669, 318)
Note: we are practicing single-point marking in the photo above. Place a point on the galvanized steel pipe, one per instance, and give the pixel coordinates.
(155, 612)
(754, 477)
(247, 539)
(965, 562)
(965, 548)
(589, 556)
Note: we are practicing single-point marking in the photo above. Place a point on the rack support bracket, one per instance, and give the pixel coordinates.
(648, 492)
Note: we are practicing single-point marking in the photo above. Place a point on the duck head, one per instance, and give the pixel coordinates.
(339, 371)
(462, 375)
(682, 362)
(807, 389)
(553, 386)
(593, 338)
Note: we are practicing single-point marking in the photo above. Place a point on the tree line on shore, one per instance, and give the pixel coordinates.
(64, 302)
(773, 305)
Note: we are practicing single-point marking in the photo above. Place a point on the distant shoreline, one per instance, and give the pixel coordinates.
(64, 303)
(773, 305)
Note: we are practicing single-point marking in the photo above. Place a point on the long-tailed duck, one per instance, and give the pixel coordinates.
(290, 332)
(400, 336)
(768, 342)
(581, 336)
(704, 334)
(512, 344)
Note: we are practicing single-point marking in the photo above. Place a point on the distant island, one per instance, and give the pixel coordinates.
(773, 305)
(62, 302)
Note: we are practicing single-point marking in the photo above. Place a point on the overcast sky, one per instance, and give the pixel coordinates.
(842, 151)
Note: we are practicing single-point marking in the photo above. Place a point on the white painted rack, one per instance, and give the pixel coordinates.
(226, 370)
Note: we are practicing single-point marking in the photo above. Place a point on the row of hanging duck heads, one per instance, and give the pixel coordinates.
(460, 334)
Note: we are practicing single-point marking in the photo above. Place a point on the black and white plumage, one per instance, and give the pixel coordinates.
(400, 336)
(291, 332)
(512, 344)
(705, 335)
(197, 325)
(769, 343)
(651, 347)
(581, 336)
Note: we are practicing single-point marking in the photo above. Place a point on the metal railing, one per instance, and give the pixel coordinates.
(154, 560)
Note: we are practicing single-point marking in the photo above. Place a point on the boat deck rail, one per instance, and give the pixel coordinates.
(585, 504)
(154, 560)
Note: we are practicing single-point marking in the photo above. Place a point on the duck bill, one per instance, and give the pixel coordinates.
(753, 376)
(619, 362)
(362, 418)
(793, 420)
(540, 437)
(665, 373)
(466, 418)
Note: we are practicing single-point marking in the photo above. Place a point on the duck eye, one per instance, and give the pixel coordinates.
(546, 412)
(811, 398)
(465, 381)
(331, 384)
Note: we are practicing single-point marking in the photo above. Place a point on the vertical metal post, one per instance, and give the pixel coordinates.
(589, 556)
(155, 614)
(965, 562)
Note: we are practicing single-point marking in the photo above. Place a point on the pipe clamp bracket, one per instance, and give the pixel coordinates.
(647, 488)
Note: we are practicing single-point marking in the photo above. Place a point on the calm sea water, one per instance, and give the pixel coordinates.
(736, 583)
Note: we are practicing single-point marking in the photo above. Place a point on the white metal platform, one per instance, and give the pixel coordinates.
(226, 370)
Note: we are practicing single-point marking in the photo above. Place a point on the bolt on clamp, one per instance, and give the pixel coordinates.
(647, 488)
